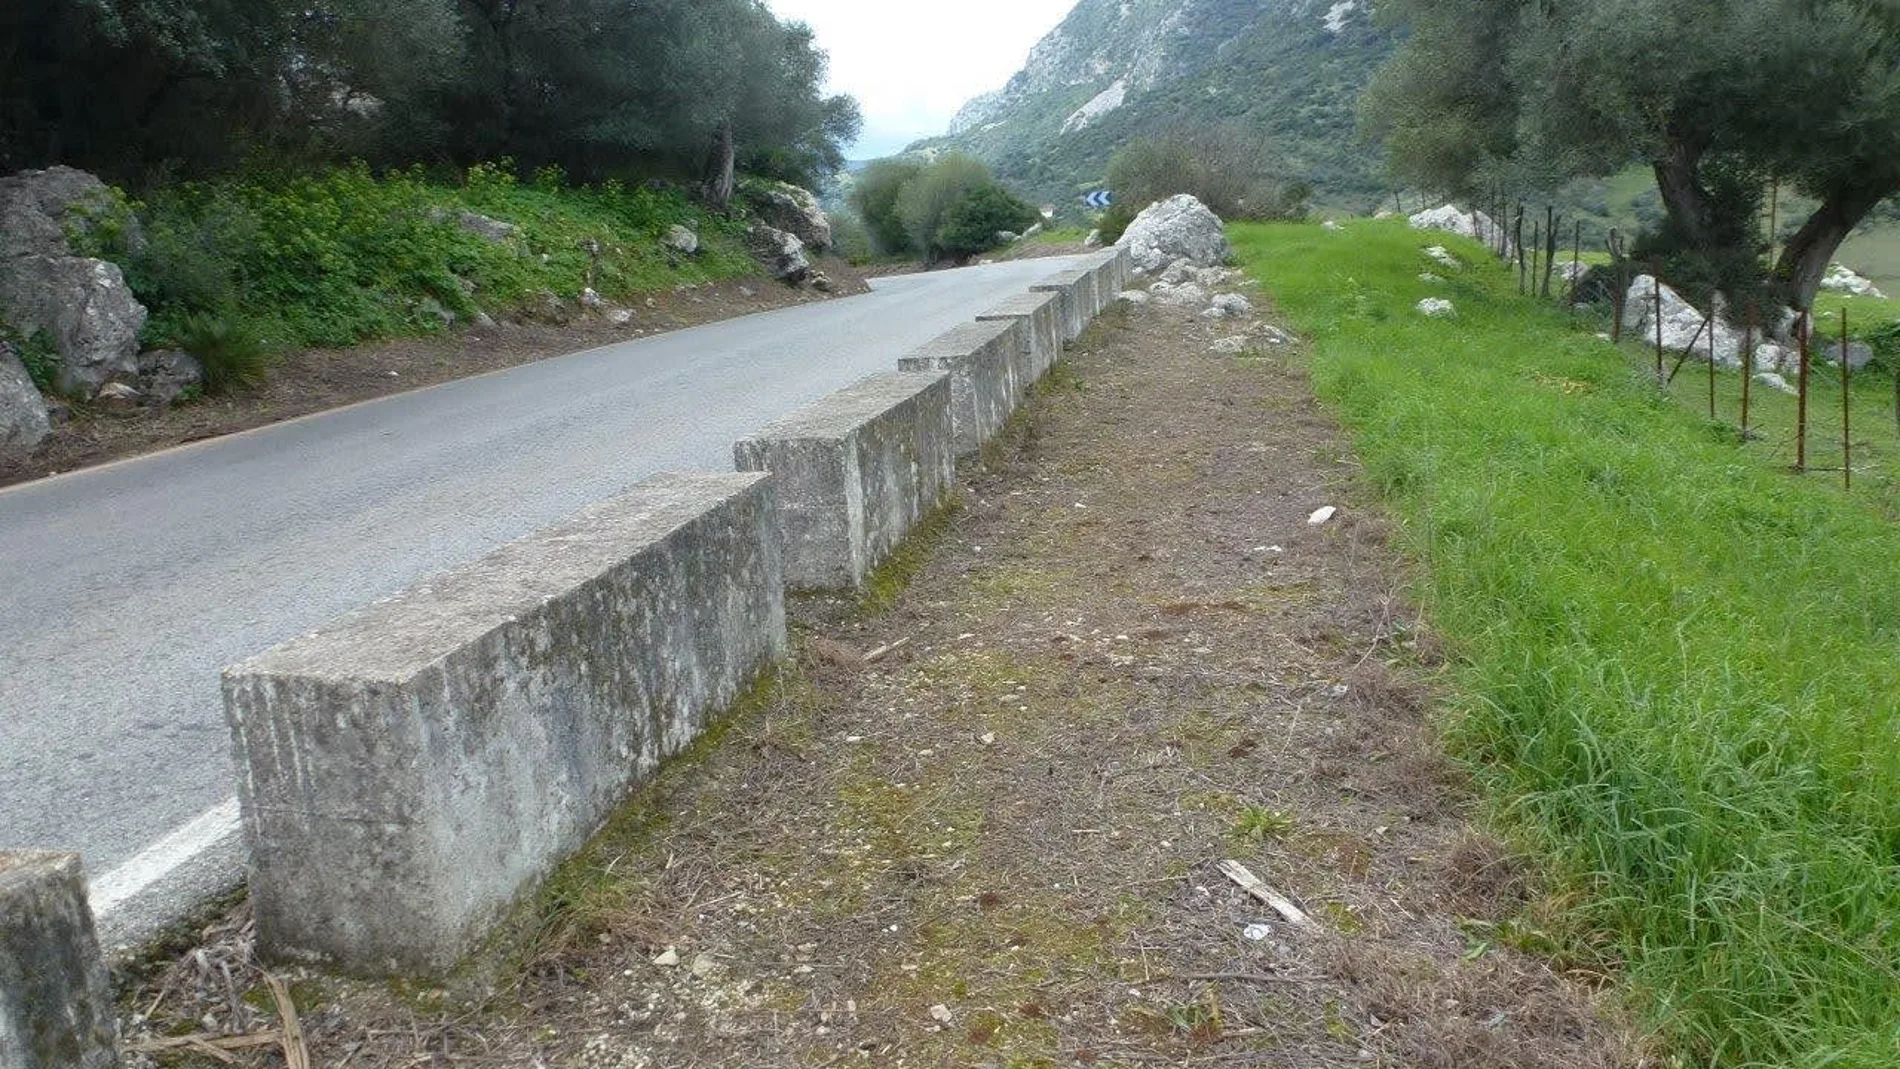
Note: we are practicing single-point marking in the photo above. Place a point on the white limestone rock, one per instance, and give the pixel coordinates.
(1179, 227)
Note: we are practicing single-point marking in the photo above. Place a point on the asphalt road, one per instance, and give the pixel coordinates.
(124, 590)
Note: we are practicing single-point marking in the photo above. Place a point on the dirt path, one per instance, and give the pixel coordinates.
(1127, 658)
(316, 380)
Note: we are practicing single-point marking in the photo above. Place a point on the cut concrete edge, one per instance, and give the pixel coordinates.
(335, 884)
(842, 412)
(56, 1009)
(459, 606)
(849, 489)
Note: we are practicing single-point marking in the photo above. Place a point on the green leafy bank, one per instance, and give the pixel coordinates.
(1677, 667)
(344, 255)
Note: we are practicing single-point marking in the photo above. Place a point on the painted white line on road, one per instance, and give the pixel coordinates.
(163, 857)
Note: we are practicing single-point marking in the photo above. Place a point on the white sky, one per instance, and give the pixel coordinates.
(912, 63)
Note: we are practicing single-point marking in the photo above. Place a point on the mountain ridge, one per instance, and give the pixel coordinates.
(1113, 70)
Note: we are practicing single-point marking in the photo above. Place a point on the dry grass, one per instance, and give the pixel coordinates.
(998, 845)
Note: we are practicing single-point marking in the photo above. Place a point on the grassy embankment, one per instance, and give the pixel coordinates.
(1677, 665)
(343, 256)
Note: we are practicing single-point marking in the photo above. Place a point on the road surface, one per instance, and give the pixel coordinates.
(125, 589)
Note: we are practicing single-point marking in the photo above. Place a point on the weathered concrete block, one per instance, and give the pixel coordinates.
(410, 770)
(855, 472)
(55, 1002)
(982, 359)
(1042, 326)
(1078, 299)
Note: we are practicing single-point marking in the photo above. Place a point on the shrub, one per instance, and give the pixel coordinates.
(1226, 169)
(1114, 221)
(972, 223)
(234, 352)
(925, 201)
(875, 199)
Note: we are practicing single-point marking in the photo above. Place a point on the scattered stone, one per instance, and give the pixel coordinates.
(704, 966)
(24, 421)
(165, 374)
(795, 210)
(668, 959)
(485, 321)
(1430, 279)
(1474, 224)
(782, 253)
(1331, 225)
(681, 240)
(1180, 226)
(1234, 346)
(1272, 335)
(591, 300)
(1094, 240)
(117, 397)
(1256, 933)
(1187, 293)
(1436, 308)
(1776, 382)
(434, 309)
(620, 317)
(1859, 354)
(1444, 257)
(486, 228)
(747, 291)
(821, 282)
(941, 1014)
(1006, 237)
(1843, 279)
(1323, 516)
(1181, 270)
(1233, 305)
(1134, 297)
(1033, 232)
(1385, 214)
(548, 308)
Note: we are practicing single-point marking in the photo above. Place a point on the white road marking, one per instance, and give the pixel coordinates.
(163, 857)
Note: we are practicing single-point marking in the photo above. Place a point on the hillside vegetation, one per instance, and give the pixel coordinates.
(1675, 665)
(1279, 69)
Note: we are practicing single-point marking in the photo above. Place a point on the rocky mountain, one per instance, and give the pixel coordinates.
(1118, 69)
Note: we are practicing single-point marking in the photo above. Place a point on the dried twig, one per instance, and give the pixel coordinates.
(1254, 886)
(296, 1056)
(205, 1042)
(882, 652)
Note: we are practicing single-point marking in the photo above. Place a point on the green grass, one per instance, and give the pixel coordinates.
(1677, 665)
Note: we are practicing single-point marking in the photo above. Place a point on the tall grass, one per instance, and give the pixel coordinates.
(1678, 665)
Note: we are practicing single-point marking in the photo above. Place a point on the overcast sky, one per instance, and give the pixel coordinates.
(912, 63)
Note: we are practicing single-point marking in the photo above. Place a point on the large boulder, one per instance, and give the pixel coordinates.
(86, 308)
(1180, 227)
(82, 304)
(795, 210)
(782, 253)
(1455, 220)
(1686, 329)
(1842, 279)
(23, 422)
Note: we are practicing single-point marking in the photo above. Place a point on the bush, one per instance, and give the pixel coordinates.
(235, 354)
(875, 199)
(971, 225)
(1114, 221)
(925, 201)
(1227, 169)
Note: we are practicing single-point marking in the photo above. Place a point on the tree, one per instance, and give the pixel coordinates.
(1717, 96)
(925, 201)
(875, 199)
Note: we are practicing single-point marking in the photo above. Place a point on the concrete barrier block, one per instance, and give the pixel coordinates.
(1042, 327)
(56, 1007)
(1078, 299)
(855, 472)
(982, 359)
(409, 771)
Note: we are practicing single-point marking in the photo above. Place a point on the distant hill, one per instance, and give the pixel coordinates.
(1117, 69)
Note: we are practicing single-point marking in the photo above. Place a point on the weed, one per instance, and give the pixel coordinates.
(234, 353)
(1258, 825)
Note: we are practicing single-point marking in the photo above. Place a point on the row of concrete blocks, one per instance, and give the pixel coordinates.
(408, 772)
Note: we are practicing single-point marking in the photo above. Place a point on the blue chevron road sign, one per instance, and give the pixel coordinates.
(1099, 200)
